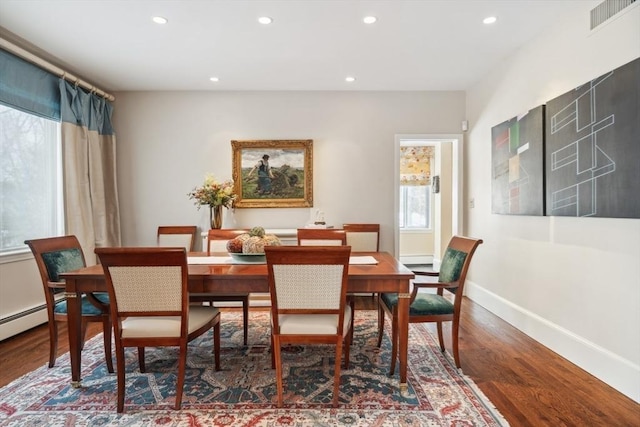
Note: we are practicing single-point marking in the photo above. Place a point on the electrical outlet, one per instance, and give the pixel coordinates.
(472, 203)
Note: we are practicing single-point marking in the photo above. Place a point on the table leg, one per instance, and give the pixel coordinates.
(74, 327)
(403, 331)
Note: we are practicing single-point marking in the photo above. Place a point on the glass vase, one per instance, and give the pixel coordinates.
(215, 216)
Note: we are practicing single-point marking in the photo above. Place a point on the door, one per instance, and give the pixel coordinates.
(421, 240)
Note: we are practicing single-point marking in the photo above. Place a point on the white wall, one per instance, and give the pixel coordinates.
(167, 141)
(571, 283)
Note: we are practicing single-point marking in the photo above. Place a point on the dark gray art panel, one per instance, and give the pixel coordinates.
(517, 155)
(592, 143)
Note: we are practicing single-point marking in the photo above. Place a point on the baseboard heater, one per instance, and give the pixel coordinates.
(22, 321)
(22, 314)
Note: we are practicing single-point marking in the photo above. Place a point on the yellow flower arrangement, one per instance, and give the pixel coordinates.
(214, 193)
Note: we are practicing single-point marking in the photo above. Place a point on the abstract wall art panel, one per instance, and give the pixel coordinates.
(517, 156)
(592, 142)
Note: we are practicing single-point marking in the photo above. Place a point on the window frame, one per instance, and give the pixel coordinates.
(56, 227)
(402, 208)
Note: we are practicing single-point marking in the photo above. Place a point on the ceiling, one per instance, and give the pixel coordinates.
(311, 44)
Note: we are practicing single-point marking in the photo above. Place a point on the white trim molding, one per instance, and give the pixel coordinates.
(619, 373)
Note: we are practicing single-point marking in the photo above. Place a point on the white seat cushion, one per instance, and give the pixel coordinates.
(313, 324)
(320, 242)
(166, 326)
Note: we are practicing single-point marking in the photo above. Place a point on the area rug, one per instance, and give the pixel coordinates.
(243, 393)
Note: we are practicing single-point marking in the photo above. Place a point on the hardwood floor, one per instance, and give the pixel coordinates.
(529, 384)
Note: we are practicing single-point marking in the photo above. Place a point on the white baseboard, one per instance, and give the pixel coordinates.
(416, 259)
(23, 323)
(619, 373)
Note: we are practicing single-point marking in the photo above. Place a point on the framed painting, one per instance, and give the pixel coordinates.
(592, 147)
(273, 173)
(517, 163)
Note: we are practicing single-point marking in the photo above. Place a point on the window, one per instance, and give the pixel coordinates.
(30, 178)
(415, 206)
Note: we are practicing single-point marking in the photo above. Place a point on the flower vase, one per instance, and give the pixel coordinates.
(215, 216)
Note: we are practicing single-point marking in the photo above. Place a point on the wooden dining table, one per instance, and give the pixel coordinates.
(386, 275)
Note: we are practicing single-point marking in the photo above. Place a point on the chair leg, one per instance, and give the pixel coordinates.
(440, 336)
(106, 332)
(349, 338)
(120, 376)
(245, 313)
(278, 362)
(394, 341)
(273, 357)
(141, 364)
(216, 345)
(380, 322)
(336, 375)
(53, 342)
(454, 343)
(182, 364)
(83, 333)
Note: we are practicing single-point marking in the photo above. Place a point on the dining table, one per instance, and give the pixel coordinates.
(221, 274)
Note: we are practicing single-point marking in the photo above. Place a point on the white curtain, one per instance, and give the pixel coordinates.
(89, 163)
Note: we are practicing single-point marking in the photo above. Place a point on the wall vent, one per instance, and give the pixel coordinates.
(606, 10)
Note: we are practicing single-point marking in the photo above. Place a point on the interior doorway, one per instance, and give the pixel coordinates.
(415, 243)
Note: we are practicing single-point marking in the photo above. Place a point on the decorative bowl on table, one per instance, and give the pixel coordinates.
(258, 258)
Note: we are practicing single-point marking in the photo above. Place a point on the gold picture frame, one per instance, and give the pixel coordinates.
(273, 173)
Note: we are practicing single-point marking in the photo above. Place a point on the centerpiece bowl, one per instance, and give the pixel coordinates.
(258, 258)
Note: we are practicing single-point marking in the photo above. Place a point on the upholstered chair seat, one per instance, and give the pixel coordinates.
(166, 326)
(87, 307)
(423, 304)
(314, 324)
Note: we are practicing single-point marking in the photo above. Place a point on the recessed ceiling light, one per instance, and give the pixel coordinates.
(159, 20)
(350, 79)
(369, 19)
(214, 79)
(489, 20)
(265, 20)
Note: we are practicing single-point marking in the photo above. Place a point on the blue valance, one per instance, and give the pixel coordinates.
(85, 109)
(27, 87)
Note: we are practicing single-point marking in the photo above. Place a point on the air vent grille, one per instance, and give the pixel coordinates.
(607, 9)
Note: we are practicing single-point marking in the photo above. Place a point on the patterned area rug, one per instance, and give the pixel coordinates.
(244, 392)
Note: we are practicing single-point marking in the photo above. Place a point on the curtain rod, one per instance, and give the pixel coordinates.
(17, 50)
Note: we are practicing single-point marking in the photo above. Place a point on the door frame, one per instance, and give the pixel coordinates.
(456, 185)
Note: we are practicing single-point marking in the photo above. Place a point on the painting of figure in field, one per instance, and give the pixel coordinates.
(272, 173)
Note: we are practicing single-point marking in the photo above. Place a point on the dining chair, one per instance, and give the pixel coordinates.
(217, 242)
(56, 255)
(177, 236)
(321, 237)
(430, 307)
(363, 237)
(308, 287)
(150, 307)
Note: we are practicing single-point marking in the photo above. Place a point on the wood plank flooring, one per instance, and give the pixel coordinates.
(529, 384)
